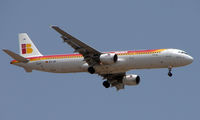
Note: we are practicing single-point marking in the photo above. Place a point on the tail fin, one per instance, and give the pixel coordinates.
(27, 47)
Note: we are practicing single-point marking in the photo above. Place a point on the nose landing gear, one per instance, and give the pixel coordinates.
(170, 71)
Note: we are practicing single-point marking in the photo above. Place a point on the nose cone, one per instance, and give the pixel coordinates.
(189, 59)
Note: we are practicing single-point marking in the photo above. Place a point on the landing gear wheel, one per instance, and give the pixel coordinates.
(170, 74)
(91, 70)
(106, 84)
(170, 71)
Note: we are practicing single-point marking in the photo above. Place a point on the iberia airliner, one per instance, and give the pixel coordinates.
(112, 66)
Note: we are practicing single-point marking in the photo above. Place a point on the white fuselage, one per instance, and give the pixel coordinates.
(146, 59)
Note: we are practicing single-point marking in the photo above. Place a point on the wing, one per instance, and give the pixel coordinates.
(91, 56)
(116, 80)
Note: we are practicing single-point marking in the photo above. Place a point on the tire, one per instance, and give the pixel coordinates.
(170, 74)
(106, 84)
(91, 70)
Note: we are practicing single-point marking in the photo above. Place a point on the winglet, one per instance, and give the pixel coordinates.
(56, 28)
(53, 26)
(15, 56)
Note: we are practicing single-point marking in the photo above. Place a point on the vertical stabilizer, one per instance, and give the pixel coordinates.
(27, 47)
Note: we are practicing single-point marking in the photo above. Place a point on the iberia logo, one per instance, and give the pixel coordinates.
(26, 49)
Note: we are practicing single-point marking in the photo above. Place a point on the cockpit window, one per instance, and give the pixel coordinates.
(183, 52)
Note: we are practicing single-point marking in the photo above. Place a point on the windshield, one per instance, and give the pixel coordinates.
(182, 52)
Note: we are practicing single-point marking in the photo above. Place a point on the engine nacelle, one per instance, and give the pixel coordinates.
(131, 79)
(108, 58)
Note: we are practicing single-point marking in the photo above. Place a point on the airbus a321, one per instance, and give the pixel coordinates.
(112, 66)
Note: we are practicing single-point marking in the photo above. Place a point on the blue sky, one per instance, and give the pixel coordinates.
(105, 25)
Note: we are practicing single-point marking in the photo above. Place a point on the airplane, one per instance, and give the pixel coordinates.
(112, 66)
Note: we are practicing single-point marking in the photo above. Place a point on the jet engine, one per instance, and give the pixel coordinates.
(108, 58)
(131, 80)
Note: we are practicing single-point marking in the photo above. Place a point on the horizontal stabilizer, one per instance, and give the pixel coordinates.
(15, 56)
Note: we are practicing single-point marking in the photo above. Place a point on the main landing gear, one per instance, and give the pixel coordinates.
(170, 71)
(106, 84)
(91, 70)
